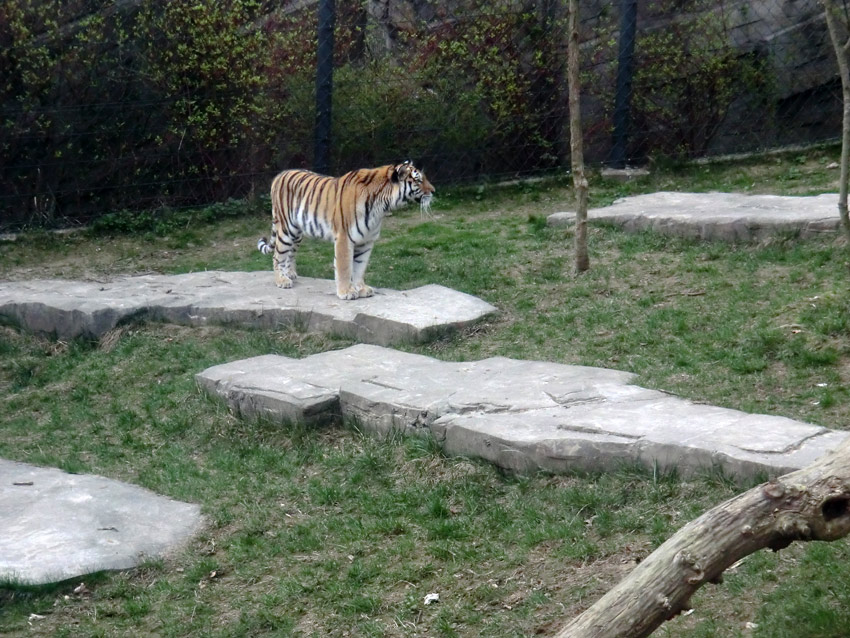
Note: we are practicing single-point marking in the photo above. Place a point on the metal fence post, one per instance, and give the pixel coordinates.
(324, 86)
(628, 29)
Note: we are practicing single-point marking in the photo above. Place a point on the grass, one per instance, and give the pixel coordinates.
(326, 532)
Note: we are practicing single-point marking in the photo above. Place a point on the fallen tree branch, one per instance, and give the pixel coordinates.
(806, 505)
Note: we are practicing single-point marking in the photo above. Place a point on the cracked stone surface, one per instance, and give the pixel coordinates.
(68, 309)
(520, 415)
(718, 216)
(55, 526)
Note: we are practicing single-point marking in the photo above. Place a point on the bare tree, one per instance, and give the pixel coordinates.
(806, 505)
(576, 146)
(838, 23)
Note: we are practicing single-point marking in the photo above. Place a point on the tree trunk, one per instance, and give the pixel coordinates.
(809, 504)
(838, 31)
(576, 147)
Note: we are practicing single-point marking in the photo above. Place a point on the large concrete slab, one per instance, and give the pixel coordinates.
(521, 415)
(55, 526)
(718, 216)
(68, 309)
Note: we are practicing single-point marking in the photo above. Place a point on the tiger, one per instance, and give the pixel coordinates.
(347, 210)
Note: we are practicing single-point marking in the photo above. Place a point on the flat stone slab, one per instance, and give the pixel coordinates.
(55, 526)
(520, 415)
(718, 216)
(68, 309)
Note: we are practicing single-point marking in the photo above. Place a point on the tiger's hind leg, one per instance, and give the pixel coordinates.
(285, 247)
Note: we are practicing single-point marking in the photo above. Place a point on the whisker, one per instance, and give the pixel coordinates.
(425, 208)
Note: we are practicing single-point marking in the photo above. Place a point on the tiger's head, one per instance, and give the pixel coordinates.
(415, 187)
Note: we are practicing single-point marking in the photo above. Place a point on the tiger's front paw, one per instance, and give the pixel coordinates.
(364, 291)
(282, 281)
(347, 293)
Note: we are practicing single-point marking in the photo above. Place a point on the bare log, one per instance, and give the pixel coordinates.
(806, 505)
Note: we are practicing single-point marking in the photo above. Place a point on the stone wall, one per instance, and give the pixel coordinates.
(799, 101)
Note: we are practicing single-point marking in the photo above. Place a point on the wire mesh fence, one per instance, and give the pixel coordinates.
(148, 105)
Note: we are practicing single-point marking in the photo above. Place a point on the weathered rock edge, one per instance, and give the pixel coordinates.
(521, 415)
(69, 309)
(55, 526)
(731, 217)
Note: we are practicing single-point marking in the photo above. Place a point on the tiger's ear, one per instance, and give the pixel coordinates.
(401, 170)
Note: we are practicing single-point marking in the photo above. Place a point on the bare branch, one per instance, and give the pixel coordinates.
(810, 504)
(837, 27)
(576, 147)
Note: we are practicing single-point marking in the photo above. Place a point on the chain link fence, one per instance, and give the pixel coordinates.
(144, 105)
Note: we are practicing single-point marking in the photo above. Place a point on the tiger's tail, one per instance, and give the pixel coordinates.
(264, 246)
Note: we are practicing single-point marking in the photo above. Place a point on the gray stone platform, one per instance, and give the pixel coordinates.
(718, 216)
(68, 309)
(520, 415)
(55, 526)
